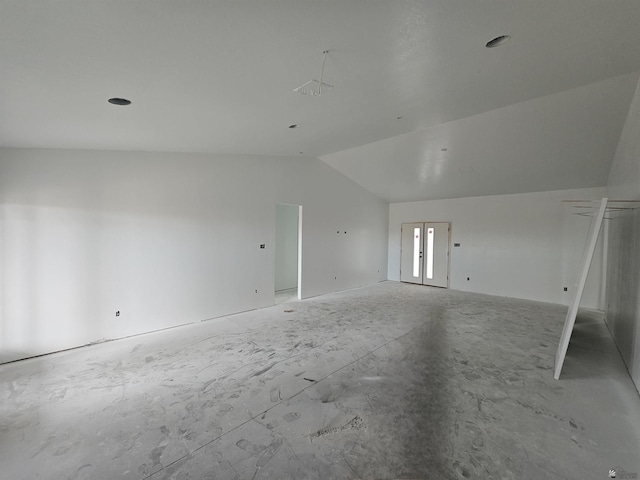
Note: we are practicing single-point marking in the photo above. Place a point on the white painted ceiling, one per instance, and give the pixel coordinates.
(217, 76)
(560, 141)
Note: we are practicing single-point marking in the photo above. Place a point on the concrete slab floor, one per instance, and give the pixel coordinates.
(392, 381)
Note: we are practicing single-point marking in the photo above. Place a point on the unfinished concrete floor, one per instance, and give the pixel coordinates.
(392, 381)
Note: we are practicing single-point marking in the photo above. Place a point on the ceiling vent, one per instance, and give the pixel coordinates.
(496, 42)
(119, 101)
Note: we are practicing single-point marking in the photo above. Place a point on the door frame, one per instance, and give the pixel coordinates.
(299, 259)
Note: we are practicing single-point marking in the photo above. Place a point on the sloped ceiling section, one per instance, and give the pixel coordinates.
(560, 141)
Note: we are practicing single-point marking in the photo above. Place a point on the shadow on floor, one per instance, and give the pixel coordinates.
(591, 352)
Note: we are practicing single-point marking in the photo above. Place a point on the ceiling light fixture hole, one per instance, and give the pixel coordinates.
(496, 42)
(119, 101)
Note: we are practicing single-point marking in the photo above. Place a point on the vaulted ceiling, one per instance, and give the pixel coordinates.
(419, 108)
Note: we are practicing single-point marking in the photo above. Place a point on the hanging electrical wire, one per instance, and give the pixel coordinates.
(314, 87)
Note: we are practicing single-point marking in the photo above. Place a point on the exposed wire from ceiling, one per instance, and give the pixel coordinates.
(315, 87)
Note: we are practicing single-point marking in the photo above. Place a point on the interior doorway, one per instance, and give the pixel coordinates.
(424, 258)
(288, 253)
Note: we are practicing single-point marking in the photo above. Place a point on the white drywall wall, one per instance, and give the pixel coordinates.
(165, 239)
(623, 261)
(522, 245)
(286, 247)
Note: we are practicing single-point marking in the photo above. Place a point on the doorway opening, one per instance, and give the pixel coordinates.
(425, 253)
(288, 253)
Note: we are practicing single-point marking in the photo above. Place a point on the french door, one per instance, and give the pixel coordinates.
(425, 253)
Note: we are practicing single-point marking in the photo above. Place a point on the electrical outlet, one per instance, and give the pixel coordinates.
(256, 290)
(118, 313)
(565, 289)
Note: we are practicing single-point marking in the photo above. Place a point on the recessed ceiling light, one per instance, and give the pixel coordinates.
(496, 42)
(119, 101)
(293, 126)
